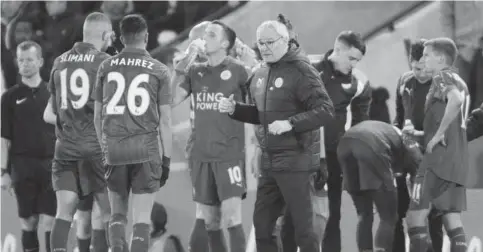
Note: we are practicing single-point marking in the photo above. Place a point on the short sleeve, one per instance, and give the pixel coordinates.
(97, 94)
(443, 83)
(164, 91)
(6, 116)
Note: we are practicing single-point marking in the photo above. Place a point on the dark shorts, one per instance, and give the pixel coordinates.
(83, 177)
(34, 193)
(141, 178)
(214, 182)
(430, 190)
(86, 203)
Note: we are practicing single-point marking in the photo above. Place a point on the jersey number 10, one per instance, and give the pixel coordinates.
(134, 90)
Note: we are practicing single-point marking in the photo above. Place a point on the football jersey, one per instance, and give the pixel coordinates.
(72, 81)
(449, 162)
(216, 136)
(131, 86)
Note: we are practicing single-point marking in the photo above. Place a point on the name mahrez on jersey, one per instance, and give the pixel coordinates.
(132, 62)
(208, 101)
(77, 58)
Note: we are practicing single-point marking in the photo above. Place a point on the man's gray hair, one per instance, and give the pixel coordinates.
(278, 27)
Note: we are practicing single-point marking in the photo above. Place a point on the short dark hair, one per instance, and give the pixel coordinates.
(132, 26)
(417, 48)
(26, 45)
(353, 39)
(445, 46)
(230, 34)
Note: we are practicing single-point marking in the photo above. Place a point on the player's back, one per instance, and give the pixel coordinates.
(72, 81)
(449, 162)
(133, 86)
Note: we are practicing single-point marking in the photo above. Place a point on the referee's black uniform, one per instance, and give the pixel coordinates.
(32, 144)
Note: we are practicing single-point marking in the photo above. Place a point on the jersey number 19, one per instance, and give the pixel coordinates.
(134, 90)
(82, 90)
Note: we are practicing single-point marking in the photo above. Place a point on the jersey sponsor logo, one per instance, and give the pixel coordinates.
(260, 82)
(225, 75)
(132, 62)
(278, 82)
(201, 74)
(20, 101)
(207, 101)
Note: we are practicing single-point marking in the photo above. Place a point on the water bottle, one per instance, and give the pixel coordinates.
(190, 57)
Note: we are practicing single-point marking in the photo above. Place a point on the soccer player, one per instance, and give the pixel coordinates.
(132, 115)
(78, 169)
(443, 172)
(411, 91)
(216, 152)
(350, 91)
(28, 147)
(371, 155)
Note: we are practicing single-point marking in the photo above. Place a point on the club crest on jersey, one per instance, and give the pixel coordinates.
(278, 82)
(225, 75)
(200, 74)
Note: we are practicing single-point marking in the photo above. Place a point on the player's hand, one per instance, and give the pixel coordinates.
(321, 176)
(164, 175)
(437, 139)
(279, 127)
(227, 105)
(6, 183)
(196, 46)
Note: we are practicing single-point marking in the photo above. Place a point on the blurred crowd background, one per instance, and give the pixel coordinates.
(57, 25)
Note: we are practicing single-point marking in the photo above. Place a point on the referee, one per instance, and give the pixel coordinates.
(28, 147)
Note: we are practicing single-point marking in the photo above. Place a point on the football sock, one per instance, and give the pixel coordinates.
(385, 232)
(199, 237)
(84, 244)
(435, 224)
(217, 241)
(418, 237)
(364, 231)
(117, 233)
(99, 240)
(457, 237)
(237, 238)
(47, 241)
(60, 235)
(140, 237)
(30, 241)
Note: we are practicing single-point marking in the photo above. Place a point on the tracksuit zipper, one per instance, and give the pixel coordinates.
(265, 126)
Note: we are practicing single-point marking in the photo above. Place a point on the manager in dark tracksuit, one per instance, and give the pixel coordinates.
(349, 89)
(290, 105)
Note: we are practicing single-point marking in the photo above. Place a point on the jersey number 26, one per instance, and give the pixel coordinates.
(134, 90)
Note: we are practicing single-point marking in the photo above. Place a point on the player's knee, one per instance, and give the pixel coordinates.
(452, 220)
(416, 218)
(66, 204)
(47, 222)
(212, 216)
(99, 218)
(83, 224)
(231, 212)
(29, 224)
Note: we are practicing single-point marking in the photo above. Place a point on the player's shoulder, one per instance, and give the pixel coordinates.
(406, 77)
(237, 65)
(446, 76)
(10, 92)
(59, 59)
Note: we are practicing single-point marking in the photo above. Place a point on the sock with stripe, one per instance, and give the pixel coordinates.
(140, 237)
(99, 241)
(30, 241)
(419, 239)
(117, 233)
(60, 235)
(199, 237)
(457, 237)
(84, 245)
